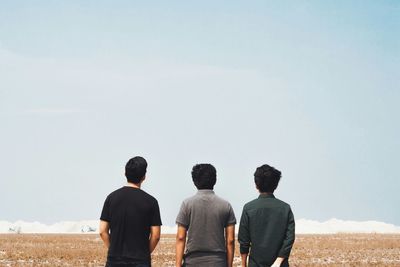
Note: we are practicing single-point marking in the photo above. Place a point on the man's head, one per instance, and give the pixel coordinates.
(266, 178)
(204, 176)
(135, 170)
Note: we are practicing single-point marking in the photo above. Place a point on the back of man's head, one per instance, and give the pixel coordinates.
(135, 169)
(204, 176)
(267, 178)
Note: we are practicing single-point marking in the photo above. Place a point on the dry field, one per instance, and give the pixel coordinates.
(309, 250)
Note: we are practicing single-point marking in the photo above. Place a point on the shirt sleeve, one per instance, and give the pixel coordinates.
(105, 213)
(244, 233)
(231, 219)
(183, 217)
(287, 244)
(156, 217)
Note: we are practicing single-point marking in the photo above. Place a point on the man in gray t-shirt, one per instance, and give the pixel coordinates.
(207, 223)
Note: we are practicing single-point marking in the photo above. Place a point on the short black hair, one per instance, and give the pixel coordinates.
(204, 176)
(135, 169)
(267, 178)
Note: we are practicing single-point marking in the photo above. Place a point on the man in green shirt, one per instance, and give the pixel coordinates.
(267, 224)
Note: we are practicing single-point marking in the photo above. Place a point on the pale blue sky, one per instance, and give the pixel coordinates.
(310, 87)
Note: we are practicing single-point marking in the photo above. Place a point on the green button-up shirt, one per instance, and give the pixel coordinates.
(266, 230)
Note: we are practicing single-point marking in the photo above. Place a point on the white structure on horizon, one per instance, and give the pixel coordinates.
(15, 229)
(303, 226)
(88, 229)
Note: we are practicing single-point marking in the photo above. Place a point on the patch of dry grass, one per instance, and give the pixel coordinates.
(309, 250)
(346, 250)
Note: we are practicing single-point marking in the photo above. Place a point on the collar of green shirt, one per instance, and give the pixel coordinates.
(266, 195)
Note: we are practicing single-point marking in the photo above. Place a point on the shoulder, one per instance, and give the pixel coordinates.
(115, 193)
(148, 196)
(187, 205)
(222, 201)
(189, 200)
(250, 204)
(282, 203)
(283, 206)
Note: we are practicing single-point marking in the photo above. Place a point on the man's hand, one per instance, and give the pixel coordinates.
(277, 262)
(244, 260)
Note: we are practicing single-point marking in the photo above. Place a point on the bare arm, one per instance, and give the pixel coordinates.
(180, 244)
(230, 244)
(155, 232)
(278, 262)
(244, 259)
(104, 231)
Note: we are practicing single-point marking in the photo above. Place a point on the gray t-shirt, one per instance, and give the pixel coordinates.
(205, 216)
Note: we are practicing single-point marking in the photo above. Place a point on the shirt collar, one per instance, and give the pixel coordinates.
(266, 195)
(205, 192)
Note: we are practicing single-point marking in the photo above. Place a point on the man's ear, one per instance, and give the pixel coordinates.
(143, 178)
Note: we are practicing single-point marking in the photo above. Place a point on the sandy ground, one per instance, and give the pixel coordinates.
(309, 250)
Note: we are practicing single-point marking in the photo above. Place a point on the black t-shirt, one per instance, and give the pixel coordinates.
(130, 212)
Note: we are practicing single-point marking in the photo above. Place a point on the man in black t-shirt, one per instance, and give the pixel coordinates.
(130, 220)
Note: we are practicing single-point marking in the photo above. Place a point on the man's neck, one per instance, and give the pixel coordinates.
(133, 185)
